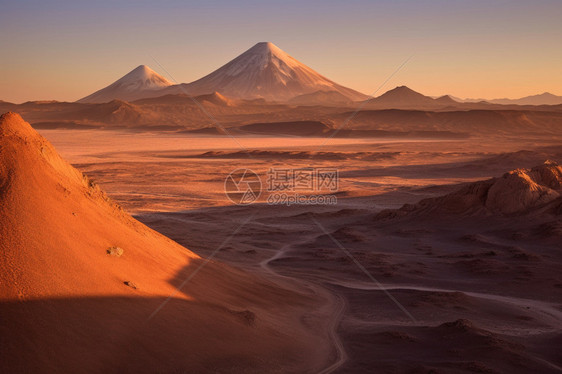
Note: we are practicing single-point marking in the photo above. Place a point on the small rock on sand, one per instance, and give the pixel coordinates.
(130, 284)
(115, 251)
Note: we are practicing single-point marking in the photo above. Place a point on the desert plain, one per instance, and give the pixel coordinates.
(446, 286)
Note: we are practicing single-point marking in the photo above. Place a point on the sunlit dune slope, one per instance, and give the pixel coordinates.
(71, 302)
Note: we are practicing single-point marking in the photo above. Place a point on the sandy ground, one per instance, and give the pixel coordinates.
(85, 288)
(415, 294)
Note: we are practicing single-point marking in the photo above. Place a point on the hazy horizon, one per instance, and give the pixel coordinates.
(64, 51)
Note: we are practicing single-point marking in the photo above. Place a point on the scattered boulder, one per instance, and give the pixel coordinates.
(130, 284)
(115, 251)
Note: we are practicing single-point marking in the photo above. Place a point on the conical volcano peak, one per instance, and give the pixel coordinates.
(143, 68)
(263, 54)
(139, 83)
(142, 71)
(270, 52)
(264, 71)
(267, 47)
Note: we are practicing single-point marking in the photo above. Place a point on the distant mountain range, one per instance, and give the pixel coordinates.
(542, 99)
(263, 71)
(399, 112)
(545, 98)
(266, 72)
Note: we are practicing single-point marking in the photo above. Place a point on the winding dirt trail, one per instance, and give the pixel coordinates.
(547, 311)
(334, 309)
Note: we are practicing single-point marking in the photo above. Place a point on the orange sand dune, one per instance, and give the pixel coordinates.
(70, 303)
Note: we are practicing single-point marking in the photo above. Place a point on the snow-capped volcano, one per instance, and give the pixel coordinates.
(264, 71)
(141, 82)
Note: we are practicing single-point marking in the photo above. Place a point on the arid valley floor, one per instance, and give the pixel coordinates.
(468, 282)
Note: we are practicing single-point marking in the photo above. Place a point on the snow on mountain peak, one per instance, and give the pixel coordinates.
(259, 57)
(139, 83)
(270, 50)
(265, 71)
(146, 76)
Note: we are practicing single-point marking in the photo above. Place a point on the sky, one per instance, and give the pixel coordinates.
(65, 50)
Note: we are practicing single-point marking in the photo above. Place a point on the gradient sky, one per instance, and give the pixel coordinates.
(64, 50)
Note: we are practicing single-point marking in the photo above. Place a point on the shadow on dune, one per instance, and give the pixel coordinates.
(114, 335)
(120, 334)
